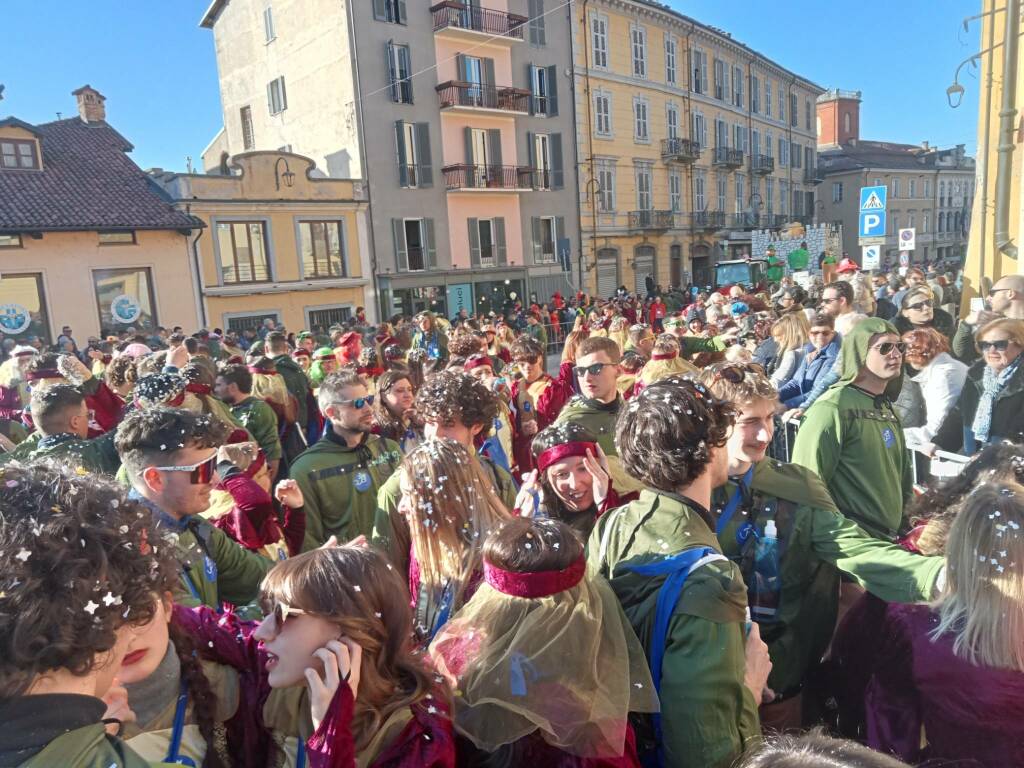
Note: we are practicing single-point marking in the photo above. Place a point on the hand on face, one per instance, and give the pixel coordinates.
(116, 699)
(341, 661)
(597, 466)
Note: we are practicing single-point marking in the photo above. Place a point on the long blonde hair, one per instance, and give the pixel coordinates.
(982, 606)
(618, 331)
(791, 331)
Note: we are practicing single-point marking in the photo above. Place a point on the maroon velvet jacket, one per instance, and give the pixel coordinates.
(427, 741)
(252, 522)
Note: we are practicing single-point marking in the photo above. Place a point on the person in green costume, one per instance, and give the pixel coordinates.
(799, 258)
(81, 538)
(852, 438)
(798, 616)
(234, 388)
(294, 377)
(453, 405)
(61, 416)
(341, 474)
(685, 600)
(324, 364)
(776, 267)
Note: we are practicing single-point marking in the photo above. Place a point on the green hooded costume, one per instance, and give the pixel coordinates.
(816, 542)
(776, 267)
(89, 747)
(854, 442)
(316, 370)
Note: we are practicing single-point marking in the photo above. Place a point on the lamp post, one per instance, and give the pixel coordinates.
(287, 177)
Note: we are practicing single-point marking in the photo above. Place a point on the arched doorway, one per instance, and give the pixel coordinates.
(643, 265)
(607, 272)
(701, 266)
(675, 266)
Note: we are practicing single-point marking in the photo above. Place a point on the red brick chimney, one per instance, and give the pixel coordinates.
(90, 104)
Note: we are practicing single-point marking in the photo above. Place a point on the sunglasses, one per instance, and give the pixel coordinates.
(735, 373)
(358, 403)
(886, 347)
(594, 369)
(280, 613)
(919, 306)
(994, 291)
(1000, 345)
(200, 473)
(829, 301)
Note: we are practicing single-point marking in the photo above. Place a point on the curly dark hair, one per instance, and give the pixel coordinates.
(44, 361)
(526, 349)
(237, 374)
(450, 396)
(463, 345)
(80, 562)
(665, 435)
(148, 364)
(121, 371)
(147, 437)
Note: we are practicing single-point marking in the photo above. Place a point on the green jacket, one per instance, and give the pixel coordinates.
(97, 455)
(259, 418)
(798, 259)
(340, 485)
(854, 442)
(692, 345)
(816, 542)
(297, 383)
(538, 332)
(390, 528)
(707, 714)
(89, 747)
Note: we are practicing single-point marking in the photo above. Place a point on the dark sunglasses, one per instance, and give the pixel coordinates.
(994, 291)
(199, 474)
(735, 373)
(919, 306)
(280, 612)
(886, 347)
(358, 402)
(1000, 345)
(593, 370)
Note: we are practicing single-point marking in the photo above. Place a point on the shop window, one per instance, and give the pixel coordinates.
(125, 299)
(23, 307)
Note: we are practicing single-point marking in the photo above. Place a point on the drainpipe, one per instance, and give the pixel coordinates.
(576, 144)
(983, 154)
(590, 150)
(197, 275)
(1004, 168)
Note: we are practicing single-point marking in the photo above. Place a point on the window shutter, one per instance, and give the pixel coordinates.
(531, 83)
(557, 175)
(499, 240)
(460, 67)
(380, 11)
(423, 159)
(535, 227)
(494, 147)
(467, 134)
(389, 52)
(531, 11)
(406, 61)
(474, 242)
(559, 232)
(284, 95)
(402, 19)
(531, 155)
(270, 97)
(552, 91)
(401, 253)
(428, 229)
(488, 72)
(403, 158)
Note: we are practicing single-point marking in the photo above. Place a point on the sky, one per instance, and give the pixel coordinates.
(157, 67)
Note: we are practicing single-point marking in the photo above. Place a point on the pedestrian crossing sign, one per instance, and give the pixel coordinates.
(872, 198)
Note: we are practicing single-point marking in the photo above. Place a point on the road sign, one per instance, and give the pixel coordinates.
(904, 258)
(907, 238)
(871, 219)
(871, 257)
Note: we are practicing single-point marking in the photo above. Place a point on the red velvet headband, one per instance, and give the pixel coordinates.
(44, 373)
(257, 369)
(665, 356)
(534, 585)
(198, 389)
(562, 451)
(476, 362)
(178, 400)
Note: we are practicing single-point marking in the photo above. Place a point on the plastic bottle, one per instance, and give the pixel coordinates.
(764, 598)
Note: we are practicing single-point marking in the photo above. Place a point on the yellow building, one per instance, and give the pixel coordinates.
(85, 239)
(280, 242)
(996, 217)
(688, 140)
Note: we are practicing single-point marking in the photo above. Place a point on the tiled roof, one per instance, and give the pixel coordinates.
(881, 155)
(88, 182)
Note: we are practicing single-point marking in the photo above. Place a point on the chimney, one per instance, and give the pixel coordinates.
(90, 104)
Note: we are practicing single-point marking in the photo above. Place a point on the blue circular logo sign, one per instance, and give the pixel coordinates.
(125, 309)
(14, 318)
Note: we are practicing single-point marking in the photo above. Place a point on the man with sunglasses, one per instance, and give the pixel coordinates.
(341, 473)
(1005, 299)
(171, 457)
(852, 438)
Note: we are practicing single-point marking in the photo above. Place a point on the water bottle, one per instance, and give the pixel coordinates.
(764, 594)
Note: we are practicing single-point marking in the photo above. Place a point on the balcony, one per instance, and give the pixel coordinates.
(459, 95)
(747, 221)
(468, 22)
(487, 178)
(650, 219)
(813, 176)
(678, 150)
(762, 164)
(728, 158)
(708, 220)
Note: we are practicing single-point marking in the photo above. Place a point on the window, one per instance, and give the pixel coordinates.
(25, 312)
(400, 73)
(599, 39)
(769, 194)
(640, 132)
(277, 98)
(412, 144)
(117, 238)
(699, 182)
(644, 200)
(807, 114)
(535, 30)
(415, 249)
(925, 221)
(782, 105)
(483, 249)
(700, 71)
(722, 188)
(675, 191)
(603, 113)
(672, 120)
(846, 122)
(912, 189)
(323, 249)
(721, 86)
(124, 298)
(545, 239)
(895, 188)
(876, 183)
(737, 86)
(268, 24)
(605, 186)
(784, 198)
(767, 98)
(741, 195)
(755, 94)
(942, 194)
(254, 322)
(638, 36)
(783, 152)
(721, 134)
(769, 141)
(796, 155)
(242, 251)
(895, 223)
(544, 100)
(739, 137)
(911, 220)
(248, 139)
(670, 59)
(837, 192)
(942, 222)
(700, 129)
(392, 11)
(10, 241)
(794, 117)
(542, 160)
(325, 318)
(18, 154)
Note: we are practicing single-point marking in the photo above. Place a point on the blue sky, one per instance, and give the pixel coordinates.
(158, 71)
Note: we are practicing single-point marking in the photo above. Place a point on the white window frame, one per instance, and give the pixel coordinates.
(837, 191)
(542, 159)
(269, 34)
(912, 189)
(737, 87)
(894, 188)
(671, 120)
(740, 193)
(769, 194)
(675, 191)
(671, 50)
(278, 101)
(925, 221)
(641, 120)
(638, 50)
(605, 97)
(699, 129)
(721, 191)
(755, 94)
(544, 257)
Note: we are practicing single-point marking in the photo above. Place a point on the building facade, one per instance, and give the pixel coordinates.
(688, 140)
(281, 242)
(930, 190)
(86, 240)
(452, 113)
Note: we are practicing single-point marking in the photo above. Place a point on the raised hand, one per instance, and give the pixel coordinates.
(341, 660)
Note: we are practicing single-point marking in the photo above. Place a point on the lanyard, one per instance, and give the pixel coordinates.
(300, 754)
(179, 726)
(734, 502)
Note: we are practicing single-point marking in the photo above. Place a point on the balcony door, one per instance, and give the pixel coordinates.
(480, 155)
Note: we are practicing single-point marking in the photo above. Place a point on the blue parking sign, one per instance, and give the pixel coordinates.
(871, 219)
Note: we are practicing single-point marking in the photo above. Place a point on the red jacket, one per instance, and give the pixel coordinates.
(547, 407)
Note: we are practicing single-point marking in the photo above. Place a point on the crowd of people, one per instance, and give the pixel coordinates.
(414, 545)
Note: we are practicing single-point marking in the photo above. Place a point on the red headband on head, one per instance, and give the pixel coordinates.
(562, 451)
(44, 373)
(534, 585)
(178, 400)
(665, 356)
(257, 369)
(301, 352)
(198, 389)
(477, 361)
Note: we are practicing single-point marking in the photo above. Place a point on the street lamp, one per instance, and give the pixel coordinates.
(287, 177)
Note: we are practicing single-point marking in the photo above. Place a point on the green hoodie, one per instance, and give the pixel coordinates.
(816, 542)
(297, 383)
(599, 419)
(854, 442)
(708, 716)
(89, 747)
